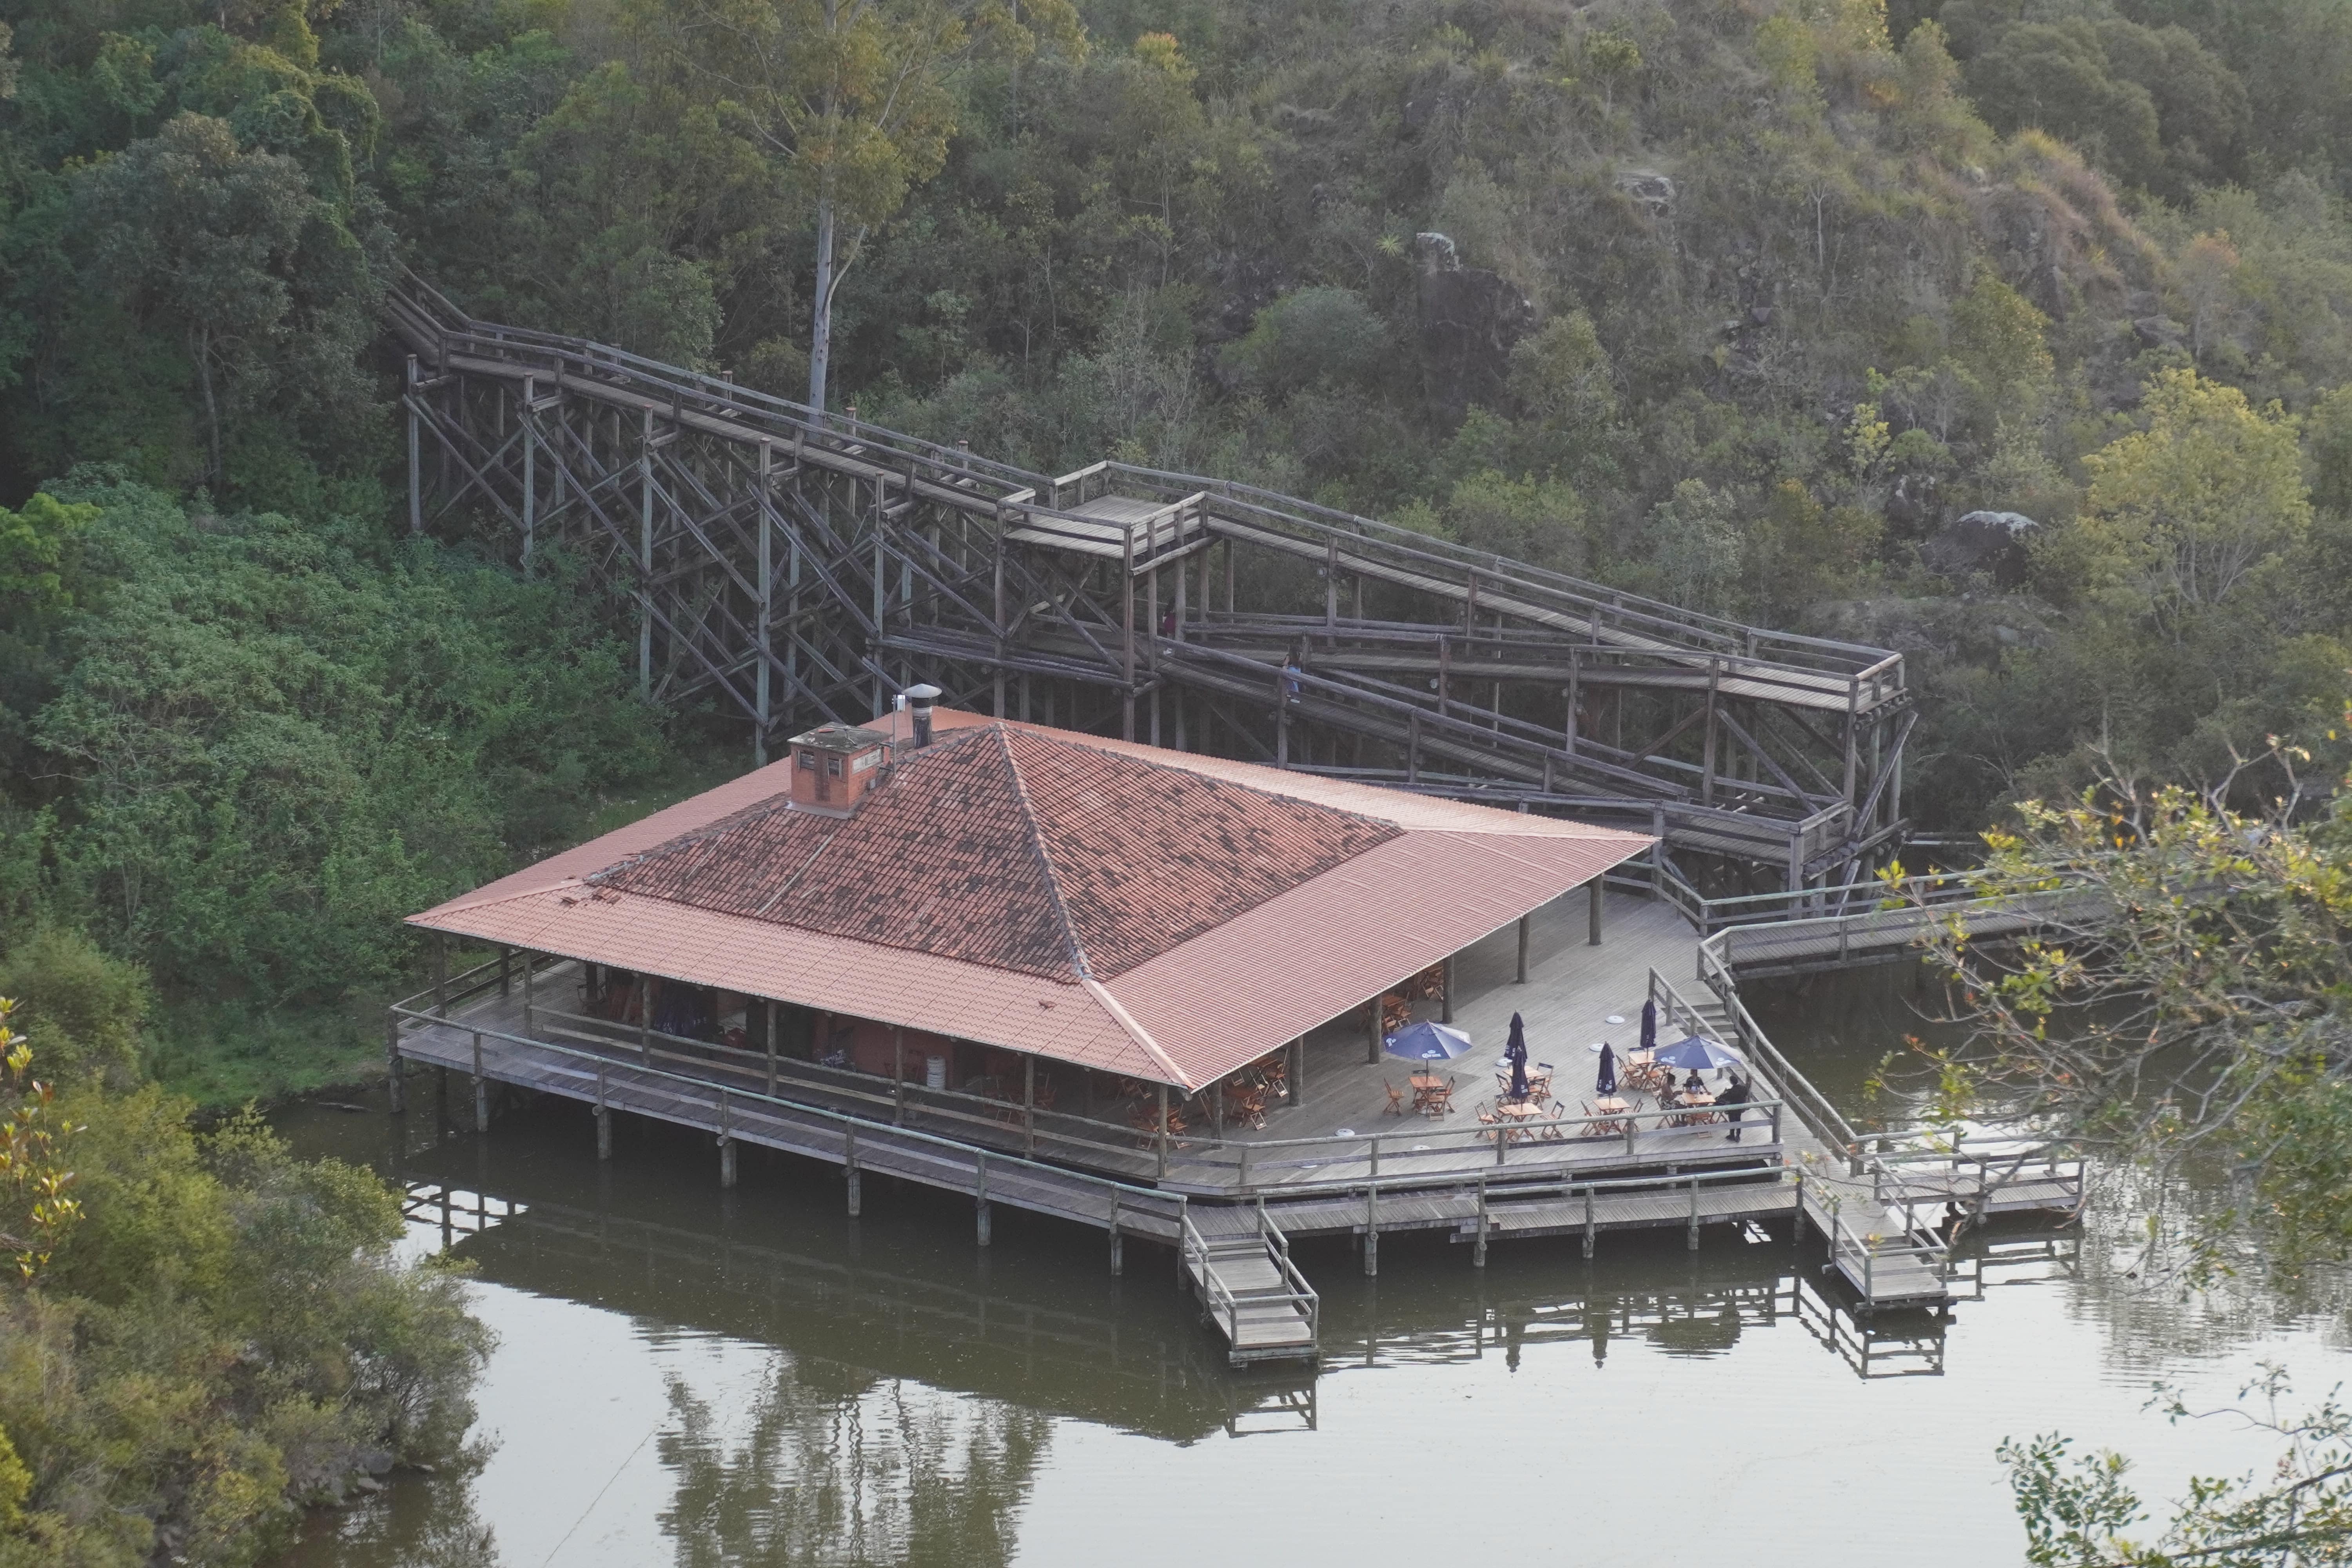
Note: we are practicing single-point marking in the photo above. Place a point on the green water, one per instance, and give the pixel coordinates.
(689, 1375)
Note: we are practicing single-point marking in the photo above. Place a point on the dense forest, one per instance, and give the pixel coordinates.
(1747, 303)
(1744, 305)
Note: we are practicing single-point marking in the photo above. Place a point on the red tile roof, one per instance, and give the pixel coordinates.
(1013, 848)
(1143, 912)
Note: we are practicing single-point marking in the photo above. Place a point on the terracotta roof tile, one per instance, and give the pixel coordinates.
(1153, 913)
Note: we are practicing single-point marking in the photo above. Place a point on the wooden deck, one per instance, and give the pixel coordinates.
(1330, 1163)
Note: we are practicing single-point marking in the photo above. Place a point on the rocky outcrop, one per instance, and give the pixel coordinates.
(1991, 544)
(1470, 318)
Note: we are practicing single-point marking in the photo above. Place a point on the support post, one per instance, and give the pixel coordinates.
(1029, 1106)
(530, 433)
(1371, 1230)
(1693, 1214)
(1372, 1030)
(416, 455)
(1118, 1240)
(506, 970)
(1126, 632)
(762, 519)
(1707, 765)
(393, 1067)
(530, 992)
(726, 1143)
(440, 975)
(1589, 1226)
(851, 1173)
(1446, 1004)
(645, 561)
(1478, 1247)
(768, 1040)
(898, 1081)
(481, 1089)
(980, 1165)
(603, 1118)
(644, 1020)
(1523, 950)
(1162, 1138)
(1593, 914)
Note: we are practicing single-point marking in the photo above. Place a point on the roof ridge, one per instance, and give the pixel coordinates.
(1086, 742)
(1035, 836)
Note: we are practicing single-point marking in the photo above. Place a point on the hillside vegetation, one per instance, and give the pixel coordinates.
(1745, 305)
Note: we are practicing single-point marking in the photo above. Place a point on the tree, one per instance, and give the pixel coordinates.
(2075, 1515)
(2189, 996)
(36, 1204)
(851, 97)
(192, 232)
(2181, 513)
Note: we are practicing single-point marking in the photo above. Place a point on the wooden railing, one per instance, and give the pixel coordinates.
(726, 1101)
(442, 332)
(1198, 1259)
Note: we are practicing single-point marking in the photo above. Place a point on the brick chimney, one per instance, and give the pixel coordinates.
(836, 767)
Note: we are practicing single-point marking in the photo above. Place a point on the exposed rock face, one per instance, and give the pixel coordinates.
(1470, 318)
(1650, 190)
(1992, 542)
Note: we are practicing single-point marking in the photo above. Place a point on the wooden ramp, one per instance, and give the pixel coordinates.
(1248, 1288)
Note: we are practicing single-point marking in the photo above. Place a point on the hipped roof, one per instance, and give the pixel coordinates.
(1153, 913)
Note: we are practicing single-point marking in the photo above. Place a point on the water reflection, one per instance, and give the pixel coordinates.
(754, 1378)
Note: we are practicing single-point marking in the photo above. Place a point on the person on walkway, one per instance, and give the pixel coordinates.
(1733, 1102)
(1606, 1082)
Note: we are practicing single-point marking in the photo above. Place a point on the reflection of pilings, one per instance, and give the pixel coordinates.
(893, 1324)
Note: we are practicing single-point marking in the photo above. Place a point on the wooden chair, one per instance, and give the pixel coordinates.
(1492, 1122)
(1439, 1101)
(1395, 1106)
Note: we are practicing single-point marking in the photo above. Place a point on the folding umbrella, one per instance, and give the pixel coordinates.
(1696, 1051)
(1428, 1043)
(1649, 1025)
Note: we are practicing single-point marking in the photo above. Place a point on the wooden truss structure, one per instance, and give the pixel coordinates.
(788, 567)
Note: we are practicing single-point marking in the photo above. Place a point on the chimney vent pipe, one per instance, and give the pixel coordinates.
(919, 699)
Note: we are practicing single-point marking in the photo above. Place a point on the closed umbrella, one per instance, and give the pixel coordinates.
(1649, 1025)
(1607, 1083)
(1515, 1053)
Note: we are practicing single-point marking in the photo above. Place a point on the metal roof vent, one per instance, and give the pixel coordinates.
(919, 699)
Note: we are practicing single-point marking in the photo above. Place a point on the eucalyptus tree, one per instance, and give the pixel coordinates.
(856, 99)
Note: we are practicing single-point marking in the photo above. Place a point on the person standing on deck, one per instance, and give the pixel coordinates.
(1733, 1101)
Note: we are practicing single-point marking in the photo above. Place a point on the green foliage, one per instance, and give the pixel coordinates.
(33, 545)
(1314, 338)
(2076, 1514)
(38, 1207)
(287, 737)
(225, 1338)
(2191, 1000)
(79, 1008)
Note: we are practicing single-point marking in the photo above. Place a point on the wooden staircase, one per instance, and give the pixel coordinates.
(1249, 1289)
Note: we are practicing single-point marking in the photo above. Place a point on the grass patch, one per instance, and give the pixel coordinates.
(223, 1054)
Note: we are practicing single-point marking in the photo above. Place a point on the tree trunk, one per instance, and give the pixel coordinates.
(212, 409)
(820, 320)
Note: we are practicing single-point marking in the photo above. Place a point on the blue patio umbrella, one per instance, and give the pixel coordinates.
(1696, 1053)
(1428, 1043)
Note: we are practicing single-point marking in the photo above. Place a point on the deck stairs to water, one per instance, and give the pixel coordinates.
(1237, 1263)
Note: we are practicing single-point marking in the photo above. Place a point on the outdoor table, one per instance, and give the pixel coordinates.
(1698, 1104)
(1426, 1084)
(1520, 1110)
